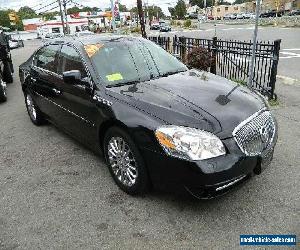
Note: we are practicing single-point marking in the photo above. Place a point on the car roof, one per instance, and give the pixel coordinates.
(94, 39)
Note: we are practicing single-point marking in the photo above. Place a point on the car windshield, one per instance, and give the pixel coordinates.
(119, 63)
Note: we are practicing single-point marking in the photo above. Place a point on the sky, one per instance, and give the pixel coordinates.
(35, 4)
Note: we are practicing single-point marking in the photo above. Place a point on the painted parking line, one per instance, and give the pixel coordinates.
(288, 55)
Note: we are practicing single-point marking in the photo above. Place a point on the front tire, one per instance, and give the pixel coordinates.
(34, 113)
(125, 162)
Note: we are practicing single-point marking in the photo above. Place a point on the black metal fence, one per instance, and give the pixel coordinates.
(232, 58)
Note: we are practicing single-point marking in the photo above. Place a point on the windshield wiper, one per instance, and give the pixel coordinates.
(172, 73)
(121, 84)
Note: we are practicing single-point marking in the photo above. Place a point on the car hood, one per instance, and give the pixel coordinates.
(193, 99)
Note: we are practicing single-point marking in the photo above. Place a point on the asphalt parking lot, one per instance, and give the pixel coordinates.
(56, 194)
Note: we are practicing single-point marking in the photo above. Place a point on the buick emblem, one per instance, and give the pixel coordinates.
(264, 134)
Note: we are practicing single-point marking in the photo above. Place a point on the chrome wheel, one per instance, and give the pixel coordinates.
(122, 161)
(31, 107)
(3, 85)
(4, 88)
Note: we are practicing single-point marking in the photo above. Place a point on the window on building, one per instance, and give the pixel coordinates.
(226, 8)
(218, 10)
(55, 30)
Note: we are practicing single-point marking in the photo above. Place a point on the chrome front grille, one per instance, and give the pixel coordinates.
(256, 134)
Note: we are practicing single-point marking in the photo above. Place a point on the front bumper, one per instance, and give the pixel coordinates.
(206, 178)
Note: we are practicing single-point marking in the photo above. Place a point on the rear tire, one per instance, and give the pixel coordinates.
(3, 94)
(8, 72)
(125, 162)
(34, 113)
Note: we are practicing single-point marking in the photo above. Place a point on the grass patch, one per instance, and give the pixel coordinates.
(273, 102)
(239, 82)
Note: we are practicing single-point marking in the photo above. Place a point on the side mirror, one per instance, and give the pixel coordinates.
(72, 77)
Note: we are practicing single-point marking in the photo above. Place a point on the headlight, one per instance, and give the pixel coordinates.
(189, 143)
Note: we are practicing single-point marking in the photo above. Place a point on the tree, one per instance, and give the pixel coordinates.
(50, 15)
(172, 11)
(180, 9)
(26, 13)
(210, 3)
(155, 11)
(73, 10)
(200, 3)
(122, 8)
(223, 2)
(4, 19)
(141, 17)
(5, 22)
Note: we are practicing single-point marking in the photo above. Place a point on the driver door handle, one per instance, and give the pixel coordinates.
(56, 91)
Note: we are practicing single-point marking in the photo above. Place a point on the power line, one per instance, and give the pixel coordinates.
(43, 12)
(55, 7)
(46, 6)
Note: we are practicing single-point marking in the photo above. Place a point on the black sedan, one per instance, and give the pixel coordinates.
(156, 122)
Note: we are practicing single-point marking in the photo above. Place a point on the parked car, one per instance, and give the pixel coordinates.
(6, 64)
(272, 13)
(240, 16)
(155, 26)
(84, 33)
(252, 15)
(210, 17)
(156, 122)
(227, 17)
(51, 36)
(164, 27)
(193, 16)
(233, 16)
(294, 13)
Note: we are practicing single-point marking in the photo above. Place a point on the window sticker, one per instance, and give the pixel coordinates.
(114, 77)
(92, 49)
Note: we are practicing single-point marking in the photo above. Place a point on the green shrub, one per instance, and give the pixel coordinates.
(136, 30)
(178, 23)
(200, 58)
(187, 23)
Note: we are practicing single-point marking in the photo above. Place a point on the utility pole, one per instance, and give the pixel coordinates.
(113, 15)
(141, 17)
(61, 16)
(205, 9)
(215, 17)
(251, 69)
(66, 17)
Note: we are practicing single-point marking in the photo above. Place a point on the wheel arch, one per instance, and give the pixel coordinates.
(107, 125)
